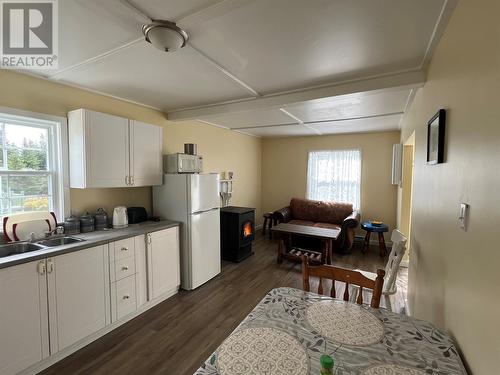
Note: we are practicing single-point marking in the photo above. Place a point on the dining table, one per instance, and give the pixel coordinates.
(289, 330)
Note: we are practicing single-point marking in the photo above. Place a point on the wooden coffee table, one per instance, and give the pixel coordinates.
(289, 230)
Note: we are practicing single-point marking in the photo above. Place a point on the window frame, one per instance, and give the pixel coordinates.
(360, 170)
(58, 148)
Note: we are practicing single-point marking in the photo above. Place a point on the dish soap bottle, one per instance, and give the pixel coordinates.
(326, 365)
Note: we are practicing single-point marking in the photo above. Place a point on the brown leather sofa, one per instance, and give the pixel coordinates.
(324, 215)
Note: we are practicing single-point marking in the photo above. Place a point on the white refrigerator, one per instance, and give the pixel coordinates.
(193, 199)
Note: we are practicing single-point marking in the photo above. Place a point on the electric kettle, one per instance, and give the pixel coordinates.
(120, 218)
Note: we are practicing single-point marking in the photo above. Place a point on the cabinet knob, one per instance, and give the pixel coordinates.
(50, 265)
(125, 268)
(126, 296)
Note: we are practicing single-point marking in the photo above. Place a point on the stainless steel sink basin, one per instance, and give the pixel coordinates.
(18, 248)
(58, 241)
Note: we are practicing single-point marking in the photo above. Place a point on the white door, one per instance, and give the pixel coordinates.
(146, 144)
(108, 149)
(163, 262)
(24, 330)
(204, 192)
(205, 247)
(79, 302)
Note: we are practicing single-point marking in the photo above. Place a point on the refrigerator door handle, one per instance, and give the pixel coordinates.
(201, 212)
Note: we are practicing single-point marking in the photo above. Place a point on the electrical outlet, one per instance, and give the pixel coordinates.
(463, 216)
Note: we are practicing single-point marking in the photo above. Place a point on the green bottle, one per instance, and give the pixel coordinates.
(326, 365)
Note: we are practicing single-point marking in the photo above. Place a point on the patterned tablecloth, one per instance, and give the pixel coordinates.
(290, 329)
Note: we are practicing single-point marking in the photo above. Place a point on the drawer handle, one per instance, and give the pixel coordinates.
(125, 268)
(124, 248)
(126, 296)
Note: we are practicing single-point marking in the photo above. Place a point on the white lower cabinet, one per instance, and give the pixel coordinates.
(163, 262)
(128, 283)
(53, 305)
(124, 294)
(24, 329)
(78, 295)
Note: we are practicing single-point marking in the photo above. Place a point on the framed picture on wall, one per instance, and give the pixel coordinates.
(435, 138)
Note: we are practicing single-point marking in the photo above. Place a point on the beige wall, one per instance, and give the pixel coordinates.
(284, 170)
(454, 275)
(222, 149)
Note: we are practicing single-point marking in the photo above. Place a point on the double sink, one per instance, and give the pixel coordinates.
(21, 247)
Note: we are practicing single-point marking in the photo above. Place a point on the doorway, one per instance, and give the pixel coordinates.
(406, 191)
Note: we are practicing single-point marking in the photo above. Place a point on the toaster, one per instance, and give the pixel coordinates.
(136, 215)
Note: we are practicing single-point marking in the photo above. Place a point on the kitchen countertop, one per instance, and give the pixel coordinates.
(91, 239)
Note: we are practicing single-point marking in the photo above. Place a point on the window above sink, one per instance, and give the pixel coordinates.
(33, 163)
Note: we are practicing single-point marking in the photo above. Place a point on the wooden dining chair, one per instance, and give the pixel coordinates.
(346, 276)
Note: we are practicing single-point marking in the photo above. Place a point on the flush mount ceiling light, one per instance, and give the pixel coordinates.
(165, 35)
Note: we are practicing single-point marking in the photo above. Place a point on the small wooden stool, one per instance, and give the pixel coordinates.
(268, 224)
(380, 229)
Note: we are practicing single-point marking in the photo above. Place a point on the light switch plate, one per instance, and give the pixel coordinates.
(463, 216)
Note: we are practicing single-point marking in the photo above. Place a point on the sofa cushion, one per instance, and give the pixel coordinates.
(302, 222)
(318, 211)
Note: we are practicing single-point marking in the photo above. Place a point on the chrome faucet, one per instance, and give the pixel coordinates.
(32, 237)
(57, 230)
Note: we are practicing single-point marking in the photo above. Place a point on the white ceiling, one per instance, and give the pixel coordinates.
(364, 112)
(244, 57)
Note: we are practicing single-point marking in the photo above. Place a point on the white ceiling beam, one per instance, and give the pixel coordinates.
(140, 14)
(441, 23)
(308, 123)
(59, 74)
(224, 71)
(207, 13)
(299, 121)
(396, 81)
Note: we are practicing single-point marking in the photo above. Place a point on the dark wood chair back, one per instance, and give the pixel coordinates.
(346, 276)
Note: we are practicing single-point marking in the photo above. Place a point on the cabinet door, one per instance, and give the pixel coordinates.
(79, 301)
(107, 146)
(24, 330)
(145, 153)
(163, 262)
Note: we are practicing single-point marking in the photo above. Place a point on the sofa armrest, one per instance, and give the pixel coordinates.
(283, 215)
(346, 239)
(351, 221)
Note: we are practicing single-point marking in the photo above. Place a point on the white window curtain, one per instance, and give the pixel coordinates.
(335, 176)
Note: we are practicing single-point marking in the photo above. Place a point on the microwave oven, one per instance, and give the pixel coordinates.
(182, 163)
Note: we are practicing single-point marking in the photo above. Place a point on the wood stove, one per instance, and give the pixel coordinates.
(237, 225)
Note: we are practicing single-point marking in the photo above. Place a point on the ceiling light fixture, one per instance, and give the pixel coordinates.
(165, 35)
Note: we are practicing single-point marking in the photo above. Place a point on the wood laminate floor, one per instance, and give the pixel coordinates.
(176, 336)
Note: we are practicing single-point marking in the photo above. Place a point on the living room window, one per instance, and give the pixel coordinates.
(335, 176)
(32, 174)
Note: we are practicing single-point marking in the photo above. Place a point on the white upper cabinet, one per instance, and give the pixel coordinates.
(111, 151)
(146, 143)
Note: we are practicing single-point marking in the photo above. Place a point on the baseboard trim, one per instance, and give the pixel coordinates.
(56, 357)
